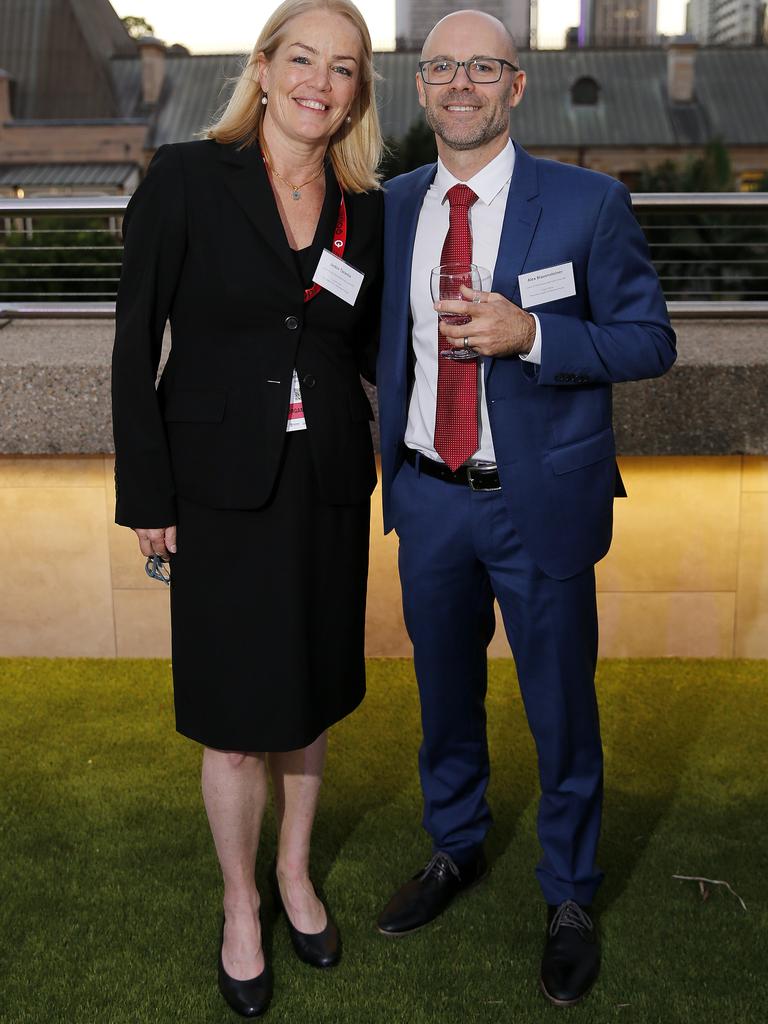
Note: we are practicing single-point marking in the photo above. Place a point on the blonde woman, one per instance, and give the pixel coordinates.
(250, 467)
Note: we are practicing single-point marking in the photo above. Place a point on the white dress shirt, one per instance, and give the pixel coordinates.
(486, 218)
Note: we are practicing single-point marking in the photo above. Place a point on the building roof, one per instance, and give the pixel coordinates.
(57, 53)
(72, 59)
(77, 175)
(193, 89)
(633, 108)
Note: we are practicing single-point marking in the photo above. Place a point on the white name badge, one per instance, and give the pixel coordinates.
(339, 277)
(546, 285)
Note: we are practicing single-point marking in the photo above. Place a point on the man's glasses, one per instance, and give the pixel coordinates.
(481, 70)
(156, 569)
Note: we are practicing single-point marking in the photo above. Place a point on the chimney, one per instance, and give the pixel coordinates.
(681, 70)
(152, 55)
(6, 114)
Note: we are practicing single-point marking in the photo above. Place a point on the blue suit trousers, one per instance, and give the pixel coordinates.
(459, 550)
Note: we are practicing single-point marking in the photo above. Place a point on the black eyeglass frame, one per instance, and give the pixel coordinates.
(465, 64)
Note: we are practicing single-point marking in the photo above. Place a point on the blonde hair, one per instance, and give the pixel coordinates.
(357, 148)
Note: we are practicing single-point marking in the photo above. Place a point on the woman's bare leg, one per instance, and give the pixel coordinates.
(235, 795)
(296, 776)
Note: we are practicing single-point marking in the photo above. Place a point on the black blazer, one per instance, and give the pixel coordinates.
(205, 247)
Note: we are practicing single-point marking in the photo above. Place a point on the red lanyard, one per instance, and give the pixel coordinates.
(339, 238)
(339, 245)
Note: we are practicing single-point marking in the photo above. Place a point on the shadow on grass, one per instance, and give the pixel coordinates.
(651, 724)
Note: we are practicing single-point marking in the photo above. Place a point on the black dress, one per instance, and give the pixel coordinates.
(269, 582)
(278, 616)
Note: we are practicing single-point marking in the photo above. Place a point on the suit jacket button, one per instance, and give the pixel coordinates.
(308, 381)
(291, 323)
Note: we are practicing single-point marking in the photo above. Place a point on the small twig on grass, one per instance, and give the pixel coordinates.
(703, 882)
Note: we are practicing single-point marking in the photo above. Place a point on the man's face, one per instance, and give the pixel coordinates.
(465, 114)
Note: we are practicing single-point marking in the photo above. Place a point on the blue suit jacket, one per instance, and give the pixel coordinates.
(551, 424)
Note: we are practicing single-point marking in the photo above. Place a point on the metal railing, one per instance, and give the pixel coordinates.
(711, 251)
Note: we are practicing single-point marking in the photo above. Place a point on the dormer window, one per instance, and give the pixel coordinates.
(585, 92)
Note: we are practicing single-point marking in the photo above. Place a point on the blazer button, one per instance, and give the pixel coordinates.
(308, 381)
(291, 323)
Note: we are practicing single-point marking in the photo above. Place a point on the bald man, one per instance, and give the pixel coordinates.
(499, 471)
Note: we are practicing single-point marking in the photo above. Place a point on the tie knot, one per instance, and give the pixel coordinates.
(461, 195)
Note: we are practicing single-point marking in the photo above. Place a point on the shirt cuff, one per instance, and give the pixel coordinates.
(534, 356)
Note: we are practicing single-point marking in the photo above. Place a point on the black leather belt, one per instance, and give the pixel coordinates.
(478, 478)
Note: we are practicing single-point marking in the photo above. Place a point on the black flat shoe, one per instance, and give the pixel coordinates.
(571, 961)
(321, 949)
(249, 998)
(425, 896)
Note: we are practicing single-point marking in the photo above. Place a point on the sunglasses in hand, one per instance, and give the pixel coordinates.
(156, 569)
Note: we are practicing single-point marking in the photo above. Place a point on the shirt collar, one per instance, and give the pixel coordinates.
(488, 181)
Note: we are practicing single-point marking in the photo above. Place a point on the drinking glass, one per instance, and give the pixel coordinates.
(445, 283)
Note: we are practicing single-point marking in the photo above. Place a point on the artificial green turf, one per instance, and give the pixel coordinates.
(110, 891)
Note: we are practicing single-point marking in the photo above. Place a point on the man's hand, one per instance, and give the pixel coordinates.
(157, 542)
(497, 327)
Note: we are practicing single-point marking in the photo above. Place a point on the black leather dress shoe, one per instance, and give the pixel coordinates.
(249, 998)
(571, 961)
(425, 896)
(321, 949)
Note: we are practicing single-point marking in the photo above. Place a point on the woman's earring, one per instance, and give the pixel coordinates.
(349, 119)
(264, 100)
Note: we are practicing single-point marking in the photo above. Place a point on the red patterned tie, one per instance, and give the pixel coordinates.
(456, 413)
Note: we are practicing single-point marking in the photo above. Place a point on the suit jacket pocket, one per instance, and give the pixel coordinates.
(195, 406)
(583, 453)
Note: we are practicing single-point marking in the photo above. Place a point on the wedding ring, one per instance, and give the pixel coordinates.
(466, 344)
(476, 298)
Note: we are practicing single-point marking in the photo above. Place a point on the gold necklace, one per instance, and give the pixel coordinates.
(295, 189)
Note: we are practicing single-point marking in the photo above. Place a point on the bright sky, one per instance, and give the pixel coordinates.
(231, 26)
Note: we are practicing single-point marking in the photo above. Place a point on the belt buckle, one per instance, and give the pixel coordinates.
(480, 472)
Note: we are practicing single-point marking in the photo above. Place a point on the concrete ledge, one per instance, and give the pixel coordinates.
(714, 401)
(54, 391)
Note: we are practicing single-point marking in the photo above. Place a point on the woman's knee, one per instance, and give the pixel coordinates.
(237, 759)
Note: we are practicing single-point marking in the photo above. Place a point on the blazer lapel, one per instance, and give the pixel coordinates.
(408, 223)
(520, 219)
(246, 178)
(405, 220)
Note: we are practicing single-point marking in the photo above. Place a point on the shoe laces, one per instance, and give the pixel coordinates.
(570, 915)
(440, 867)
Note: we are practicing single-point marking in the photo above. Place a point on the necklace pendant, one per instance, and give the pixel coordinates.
(296, 194)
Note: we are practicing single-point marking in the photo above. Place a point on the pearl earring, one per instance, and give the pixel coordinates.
(264, 100)
(349, 119)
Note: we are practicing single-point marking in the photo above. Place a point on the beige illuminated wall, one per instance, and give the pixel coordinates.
(687, 574)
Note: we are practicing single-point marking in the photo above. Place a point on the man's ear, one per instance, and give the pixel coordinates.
(420, 90)
(518, 88)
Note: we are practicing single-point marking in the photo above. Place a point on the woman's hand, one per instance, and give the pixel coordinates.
(157, 542)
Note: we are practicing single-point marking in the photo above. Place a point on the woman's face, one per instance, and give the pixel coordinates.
(313, 76)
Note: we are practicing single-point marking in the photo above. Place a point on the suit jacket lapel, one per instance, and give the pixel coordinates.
(246, 178)
(520, 219)
(409, 222)
(405, 221)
